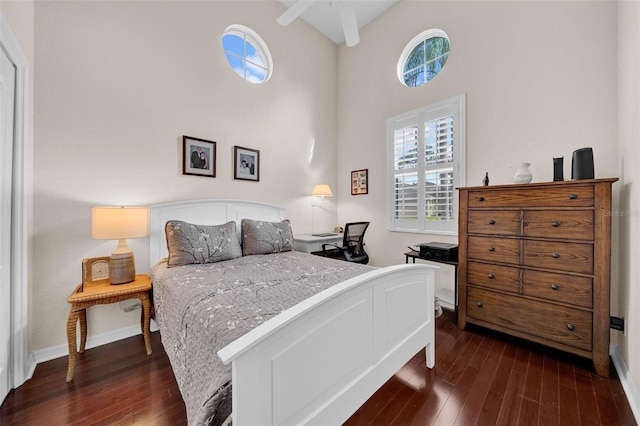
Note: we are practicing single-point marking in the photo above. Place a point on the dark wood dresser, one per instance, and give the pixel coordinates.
(534, 262)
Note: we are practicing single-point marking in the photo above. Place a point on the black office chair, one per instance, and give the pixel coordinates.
(352, 249)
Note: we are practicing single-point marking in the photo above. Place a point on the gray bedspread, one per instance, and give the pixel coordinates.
(202, 308)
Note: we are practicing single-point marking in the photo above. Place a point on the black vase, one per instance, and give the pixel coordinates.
(582, 164)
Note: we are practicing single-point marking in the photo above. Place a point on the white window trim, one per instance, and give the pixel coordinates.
(455, 105)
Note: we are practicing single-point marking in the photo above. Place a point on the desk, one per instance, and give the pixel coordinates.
(103, 293)
(312, 243)
(415, 255)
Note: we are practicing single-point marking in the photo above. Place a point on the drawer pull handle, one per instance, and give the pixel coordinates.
(571, 327)
(555, 287)
(481, 199)
(555, 224)
(492, 222)
(573, 196)
(491, 276)
(492, 249)
(555, 255)
(479, 304)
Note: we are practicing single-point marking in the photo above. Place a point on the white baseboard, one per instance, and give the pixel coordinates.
(31, 367)
(58, 351)
(445, 298)
(630, 388)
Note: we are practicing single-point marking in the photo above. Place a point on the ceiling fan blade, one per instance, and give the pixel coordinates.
(349, 23)
(293, 12)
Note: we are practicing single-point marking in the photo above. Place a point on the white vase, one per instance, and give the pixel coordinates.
(523, 175)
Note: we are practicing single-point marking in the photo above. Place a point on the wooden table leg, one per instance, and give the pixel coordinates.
(145, 318)
(71, 340)
(83, 329)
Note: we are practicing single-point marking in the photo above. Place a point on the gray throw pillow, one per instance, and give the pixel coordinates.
(188, 243)
(260, 237)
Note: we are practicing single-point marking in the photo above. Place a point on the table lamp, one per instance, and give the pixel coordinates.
(319, 192)
(322, 190)
(120, 223)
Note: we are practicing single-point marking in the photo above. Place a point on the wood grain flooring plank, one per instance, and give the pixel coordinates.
(568, 406)
(432, 407)
(490, 410)
(455, 374)
(533, 384)
(604, 400)
(587, 405)
(528, 415)
(452, 407)
(500, 380)
(549, 396)
(512, 401)
(478, 392)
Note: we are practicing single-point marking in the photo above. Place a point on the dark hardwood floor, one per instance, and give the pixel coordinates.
(480, 378)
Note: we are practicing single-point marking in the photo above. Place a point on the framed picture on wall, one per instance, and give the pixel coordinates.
(198, 157)
(360, 182)
(246, 164)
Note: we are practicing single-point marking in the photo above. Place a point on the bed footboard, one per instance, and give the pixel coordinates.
(319, 361)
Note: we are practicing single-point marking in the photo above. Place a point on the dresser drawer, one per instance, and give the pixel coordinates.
(494, 222)
(554, 323)
(572, 225)
(562, 196)
(569, 257)
(497, 277)
(494, 249)
(558, 287)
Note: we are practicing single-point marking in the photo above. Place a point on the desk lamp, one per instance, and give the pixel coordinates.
(120, 223)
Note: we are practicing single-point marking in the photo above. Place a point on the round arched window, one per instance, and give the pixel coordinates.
(247, 53)
(423, 58)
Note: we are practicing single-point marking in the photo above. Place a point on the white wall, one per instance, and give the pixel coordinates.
(628, 297)
(540, 80)
(119, 83)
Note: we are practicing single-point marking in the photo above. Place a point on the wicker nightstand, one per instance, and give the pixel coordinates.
(100, 294)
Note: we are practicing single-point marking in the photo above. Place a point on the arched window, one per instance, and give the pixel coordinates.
(247, 53)
(423, 58)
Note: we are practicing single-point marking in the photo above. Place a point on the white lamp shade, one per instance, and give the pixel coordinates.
(116, 223)
(322, 190)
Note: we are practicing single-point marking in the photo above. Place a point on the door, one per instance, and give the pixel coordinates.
(7, 105)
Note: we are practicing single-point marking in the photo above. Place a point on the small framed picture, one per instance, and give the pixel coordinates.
(246, 164)
(198, 157)
(360, 182)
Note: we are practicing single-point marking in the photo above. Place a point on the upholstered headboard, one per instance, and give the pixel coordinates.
(203, 212)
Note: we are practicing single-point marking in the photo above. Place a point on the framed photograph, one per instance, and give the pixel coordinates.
(246, 164)
(198, 157)
(360, 182)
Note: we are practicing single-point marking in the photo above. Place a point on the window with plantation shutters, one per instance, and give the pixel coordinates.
(425, 165)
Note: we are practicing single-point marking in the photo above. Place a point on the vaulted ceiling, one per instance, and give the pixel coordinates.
(334, 18)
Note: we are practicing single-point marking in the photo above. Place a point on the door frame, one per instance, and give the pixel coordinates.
(23, 363)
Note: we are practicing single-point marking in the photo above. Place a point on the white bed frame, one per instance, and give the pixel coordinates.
(319, 361)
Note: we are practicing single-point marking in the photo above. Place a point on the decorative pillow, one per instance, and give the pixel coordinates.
(260, 237)
(188, 243)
